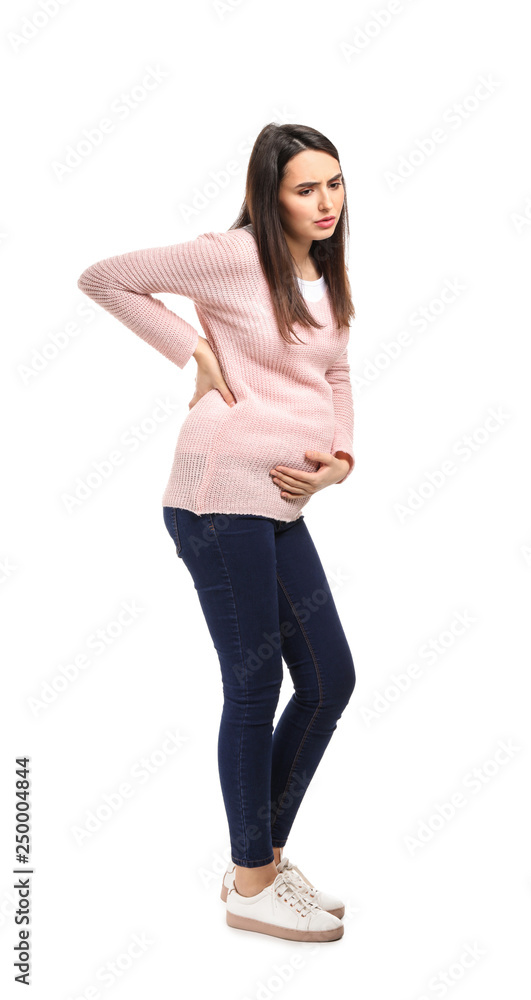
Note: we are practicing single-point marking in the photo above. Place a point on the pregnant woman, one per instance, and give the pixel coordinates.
(270, 424)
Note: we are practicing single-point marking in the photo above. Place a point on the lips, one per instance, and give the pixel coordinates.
(328, 218)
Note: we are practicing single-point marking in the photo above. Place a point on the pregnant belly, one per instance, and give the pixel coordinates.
(256, 433)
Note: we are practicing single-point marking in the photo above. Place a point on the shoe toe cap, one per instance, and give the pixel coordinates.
(328, 902)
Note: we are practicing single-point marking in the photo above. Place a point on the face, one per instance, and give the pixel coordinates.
(311, 189)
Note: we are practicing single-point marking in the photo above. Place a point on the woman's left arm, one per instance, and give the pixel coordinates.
(338, 377)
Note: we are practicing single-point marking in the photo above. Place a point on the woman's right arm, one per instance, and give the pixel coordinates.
(124, 286)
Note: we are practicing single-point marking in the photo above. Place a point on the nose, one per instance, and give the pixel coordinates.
(326, 202)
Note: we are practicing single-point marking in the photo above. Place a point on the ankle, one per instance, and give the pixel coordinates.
(250, 881)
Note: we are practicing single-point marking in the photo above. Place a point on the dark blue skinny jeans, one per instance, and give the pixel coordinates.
(265, 598)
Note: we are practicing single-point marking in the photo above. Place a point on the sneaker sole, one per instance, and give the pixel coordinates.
(340, 912)
(248, 924)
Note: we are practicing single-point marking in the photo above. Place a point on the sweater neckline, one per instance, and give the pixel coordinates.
(321, 305)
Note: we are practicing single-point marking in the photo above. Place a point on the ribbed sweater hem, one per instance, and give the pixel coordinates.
(286, 510)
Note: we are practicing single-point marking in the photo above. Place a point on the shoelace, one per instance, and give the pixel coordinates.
(291, 893)
(285, 865)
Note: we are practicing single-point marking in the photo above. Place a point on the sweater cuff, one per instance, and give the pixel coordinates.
(344, 452)
(183, 356)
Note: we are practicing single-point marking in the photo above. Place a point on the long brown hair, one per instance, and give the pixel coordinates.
(274, 147)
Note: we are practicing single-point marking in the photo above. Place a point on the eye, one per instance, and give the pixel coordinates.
(335, 184)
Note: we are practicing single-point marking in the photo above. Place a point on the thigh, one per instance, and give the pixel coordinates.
(232, 561)
(315, 646)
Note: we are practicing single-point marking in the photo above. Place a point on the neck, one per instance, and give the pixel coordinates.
(300, 251)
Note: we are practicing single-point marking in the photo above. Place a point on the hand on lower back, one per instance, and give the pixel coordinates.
(208, 374)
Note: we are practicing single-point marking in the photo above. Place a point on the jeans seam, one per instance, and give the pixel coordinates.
(312, 720)
(245, 675)
(178, 540)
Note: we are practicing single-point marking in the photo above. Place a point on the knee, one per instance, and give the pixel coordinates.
(253, 679)
(344, 682)
(351, 682)
(245, 697)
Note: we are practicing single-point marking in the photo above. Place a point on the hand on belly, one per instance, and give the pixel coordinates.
(297, 483)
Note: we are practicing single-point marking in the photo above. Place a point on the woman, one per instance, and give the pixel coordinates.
(270, 424)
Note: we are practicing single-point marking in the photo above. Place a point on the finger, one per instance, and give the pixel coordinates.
(290, 491)
(292, 475)
(298, 489)
(281, 480)
(227, 395)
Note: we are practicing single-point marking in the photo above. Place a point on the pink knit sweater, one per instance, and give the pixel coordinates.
(289, 397)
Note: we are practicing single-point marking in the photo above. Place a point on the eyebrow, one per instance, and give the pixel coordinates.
(308, 184)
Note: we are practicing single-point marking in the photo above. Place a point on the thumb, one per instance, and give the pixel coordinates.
(318, 456)
(227, 394)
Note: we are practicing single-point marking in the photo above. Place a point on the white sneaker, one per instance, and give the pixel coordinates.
(282, 910)
(323, 899)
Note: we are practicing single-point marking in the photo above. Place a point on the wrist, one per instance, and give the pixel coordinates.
(347, 462)
(201, 348)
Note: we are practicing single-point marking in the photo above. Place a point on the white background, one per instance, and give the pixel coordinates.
(401, 571)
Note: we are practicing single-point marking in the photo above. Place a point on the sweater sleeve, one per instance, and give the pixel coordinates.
(123, 285)
(339, 379)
